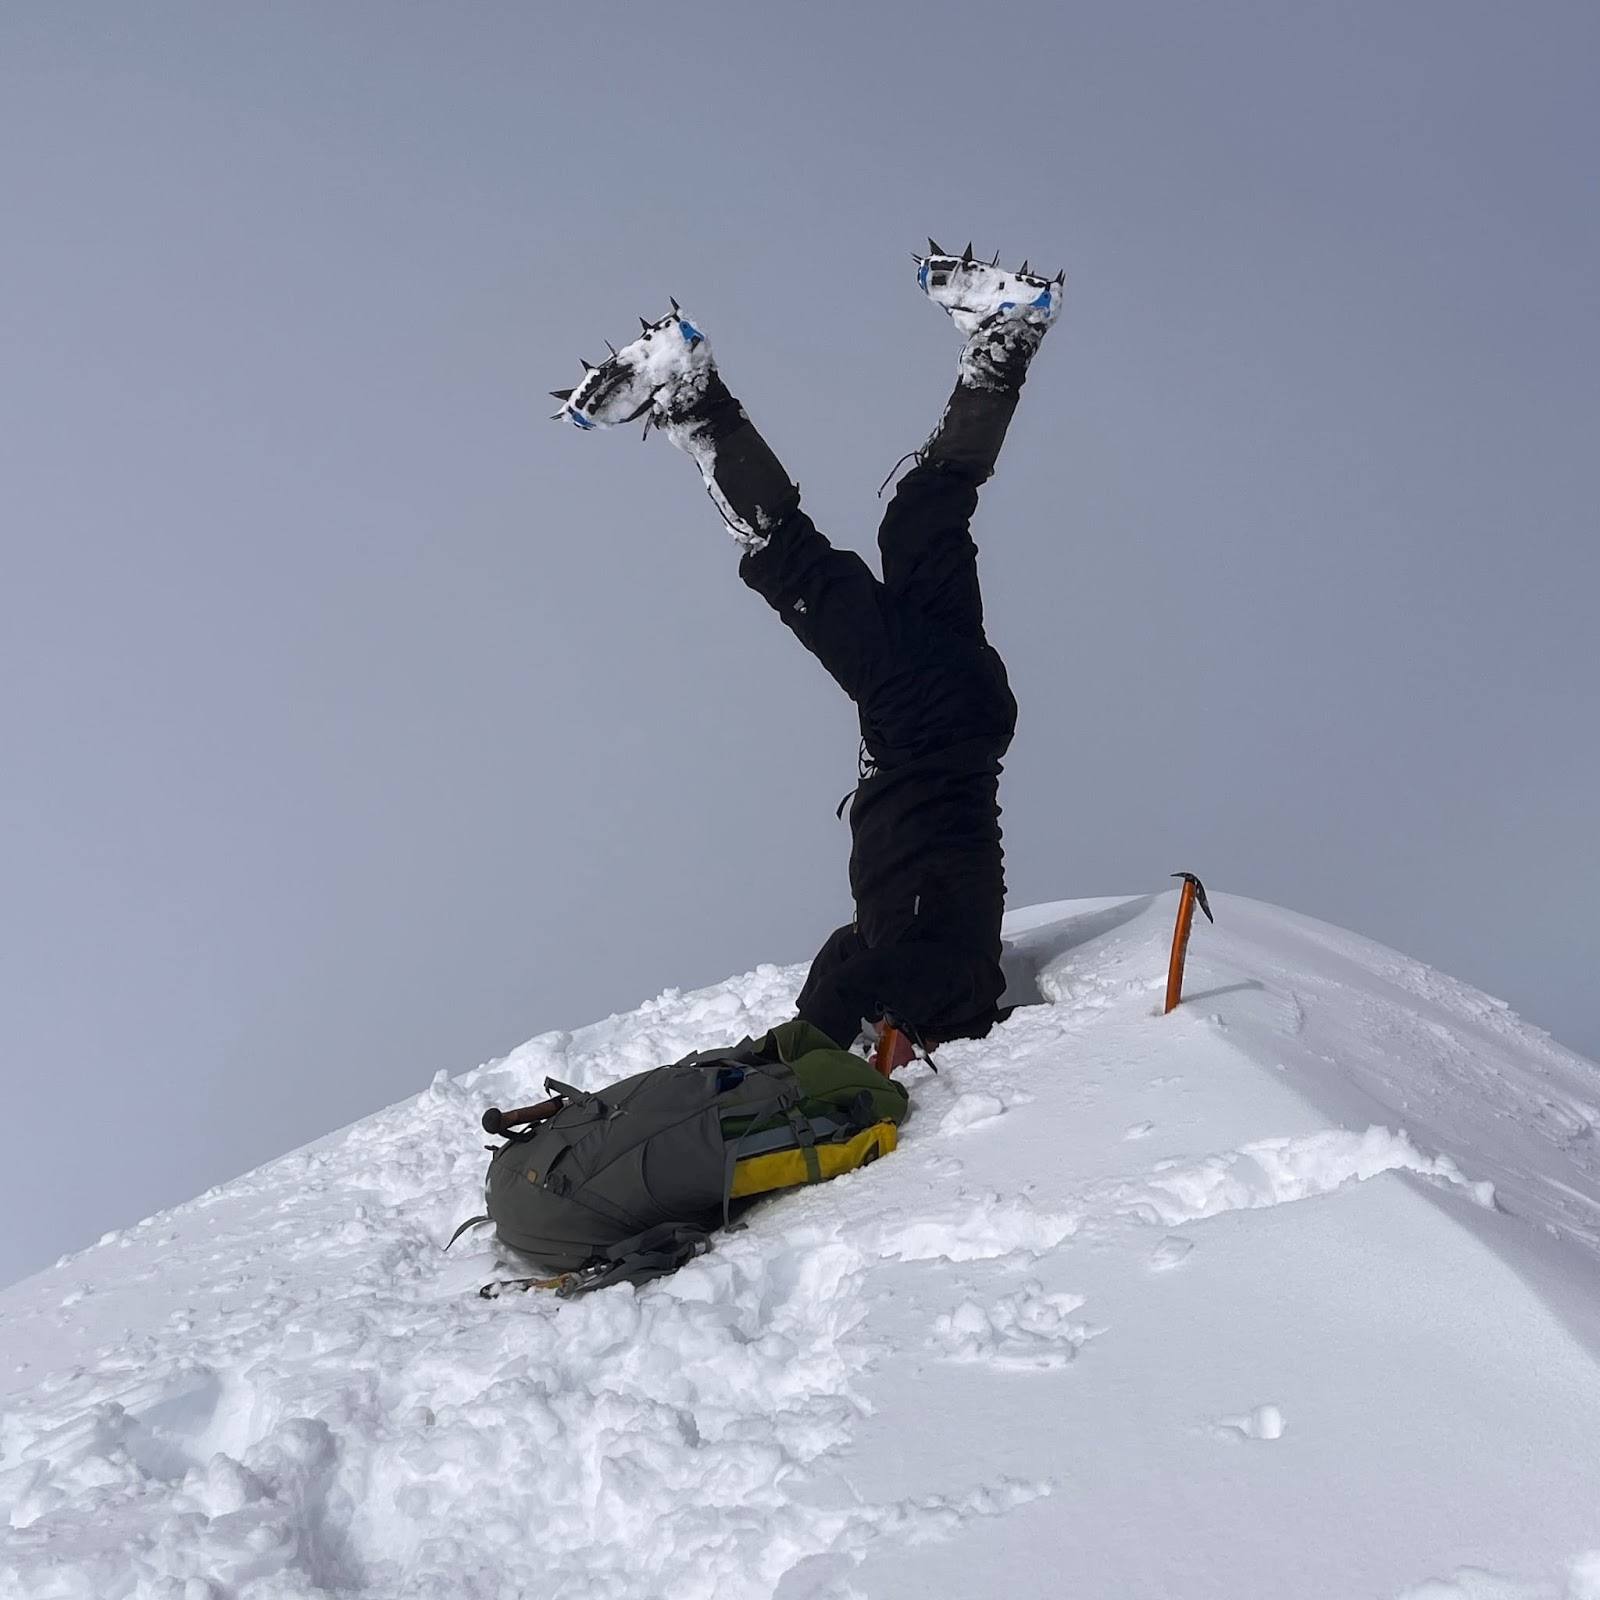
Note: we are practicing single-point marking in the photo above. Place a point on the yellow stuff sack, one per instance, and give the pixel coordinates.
(786, 1169)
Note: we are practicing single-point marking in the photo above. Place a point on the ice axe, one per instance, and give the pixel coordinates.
(893, 1049)
(1193, 890)
(499, 1122)
(899, 1045)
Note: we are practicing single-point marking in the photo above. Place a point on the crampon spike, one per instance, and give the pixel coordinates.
(1024, 271)
(996, 261)
(966, 255)
(563, 395)
(585, 365)
(611, 347)
(933, 248)
(649, 327)
(675, 306)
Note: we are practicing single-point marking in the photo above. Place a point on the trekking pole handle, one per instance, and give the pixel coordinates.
(497, 1121)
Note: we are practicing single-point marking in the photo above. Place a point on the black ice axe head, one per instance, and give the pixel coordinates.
(1199, 892)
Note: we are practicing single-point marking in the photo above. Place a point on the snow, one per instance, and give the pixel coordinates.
(1292, 1292)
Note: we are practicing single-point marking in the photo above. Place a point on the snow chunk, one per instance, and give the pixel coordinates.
(1028, 1330)
(971, 1111)
(1271, 1172)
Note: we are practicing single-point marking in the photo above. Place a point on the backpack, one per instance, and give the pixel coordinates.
(627, 1182)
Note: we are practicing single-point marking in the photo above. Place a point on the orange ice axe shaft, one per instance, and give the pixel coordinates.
(1193, 891)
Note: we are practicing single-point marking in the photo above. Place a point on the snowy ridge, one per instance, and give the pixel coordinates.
(1293, 1291)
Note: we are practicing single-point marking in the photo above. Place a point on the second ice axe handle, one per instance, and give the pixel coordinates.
(893, 1050)
(1193, 891)
(497, 1122)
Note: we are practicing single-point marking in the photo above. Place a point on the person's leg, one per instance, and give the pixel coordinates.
(929, 559)
(745, 480)
(828, 598)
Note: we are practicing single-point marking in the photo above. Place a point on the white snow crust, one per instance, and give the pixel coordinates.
(1290, 1293)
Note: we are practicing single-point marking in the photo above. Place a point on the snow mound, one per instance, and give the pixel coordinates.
(1293, 1291)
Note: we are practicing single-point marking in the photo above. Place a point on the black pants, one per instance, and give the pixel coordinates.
(936, 714)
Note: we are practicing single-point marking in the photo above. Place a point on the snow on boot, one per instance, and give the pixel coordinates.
(973, 292)
(746, 481)
(664, 373)
(667, 375)
(1003, 314)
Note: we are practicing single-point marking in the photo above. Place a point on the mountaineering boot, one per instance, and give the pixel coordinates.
(668, 377)
(1004, 317)
(983, 297)
(663, 372)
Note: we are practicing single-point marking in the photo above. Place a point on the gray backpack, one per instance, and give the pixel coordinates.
(627, 1182)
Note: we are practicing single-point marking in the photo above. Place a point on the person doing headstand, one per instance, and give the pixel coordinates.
(922, 954)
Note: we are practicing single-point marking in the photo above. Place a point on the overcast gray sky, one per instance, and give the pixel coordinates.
(359, 722)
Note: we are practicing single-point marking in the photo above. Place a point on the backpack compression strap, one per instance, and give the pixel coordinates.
(651, 1254)
(805, 1138)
